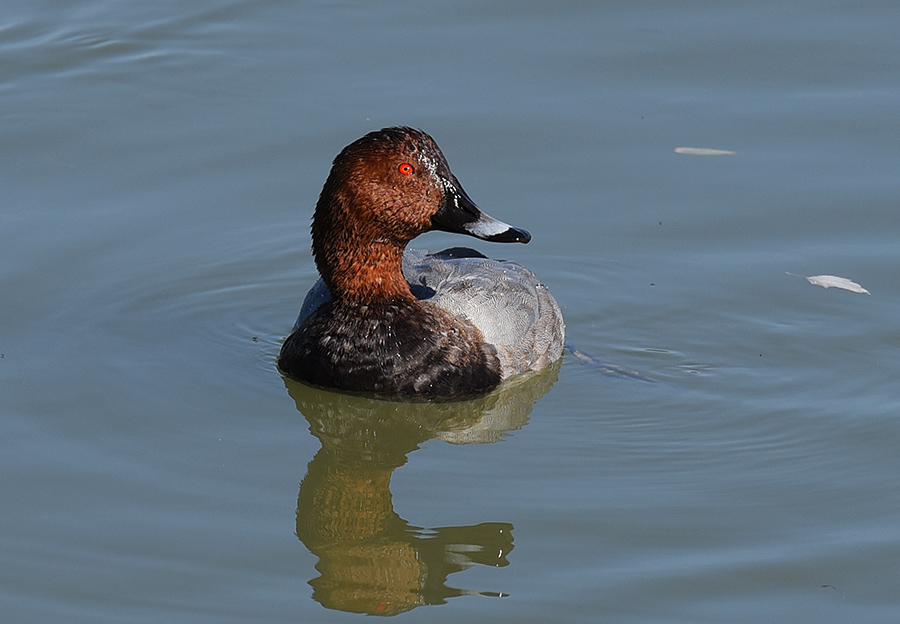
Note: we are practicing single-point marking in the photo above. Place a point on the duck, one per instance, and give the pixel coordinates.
(408, 324)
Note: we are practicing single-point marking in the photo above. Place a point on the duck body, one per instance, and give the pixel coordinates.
(413, 324)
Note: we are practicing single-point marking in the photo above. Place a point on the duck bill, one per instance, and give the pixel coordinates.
(459, 214)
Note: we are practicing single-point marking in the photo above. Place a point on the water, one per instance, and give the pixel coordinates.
(158, 166)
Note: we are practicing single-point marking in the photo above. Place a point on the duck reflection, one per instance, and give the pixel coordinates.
(370, 559)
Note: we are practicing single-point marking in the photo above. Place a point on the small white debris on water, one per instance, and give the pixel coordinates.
(833, 281)
(703, 151)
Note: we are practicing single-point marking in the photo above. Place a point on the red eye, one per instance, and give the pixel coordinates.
(406, 169)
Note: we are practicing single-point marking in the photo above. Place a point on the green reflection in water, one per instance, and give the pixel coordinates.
(370, 559)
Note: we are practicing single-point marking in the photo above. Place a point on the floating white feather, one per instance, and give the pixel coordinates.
(703, 151)
(833, 281)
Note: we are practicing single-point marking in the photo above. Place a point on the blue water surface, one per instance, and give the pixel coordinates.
(159, 163)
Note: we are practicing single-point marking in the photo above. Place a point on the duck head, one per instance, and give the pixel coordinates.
(383, 190)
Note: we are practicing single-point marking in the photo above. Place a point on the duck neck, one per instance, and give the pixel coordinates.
(366, 274)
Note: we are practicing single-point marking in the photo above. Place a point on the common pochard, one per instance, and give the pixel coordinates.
(409, 324)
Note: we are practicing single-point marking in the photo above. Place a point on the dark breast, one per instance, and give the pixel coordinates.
(405, 348)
